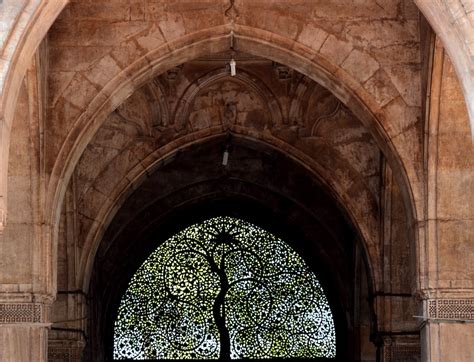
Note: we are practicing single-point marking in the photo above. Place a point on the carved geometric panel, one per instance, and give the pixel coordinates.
(451, 309)
(21, 313)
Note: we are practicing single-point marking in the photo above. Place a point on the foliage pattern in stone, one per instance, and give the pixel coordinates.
(226, 289)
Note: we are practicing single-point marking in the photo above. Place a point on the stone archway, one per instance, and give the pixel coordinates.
(116, 91)
(113, 181)
(364, 90)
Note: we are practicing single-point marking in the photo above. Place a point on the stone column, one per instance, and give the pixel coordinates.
(67, 337)
(446, 244)
(448, 329)
(24, 324)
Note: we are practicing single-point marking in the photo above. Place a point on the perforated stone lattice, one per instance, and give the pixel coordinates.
(227, 289)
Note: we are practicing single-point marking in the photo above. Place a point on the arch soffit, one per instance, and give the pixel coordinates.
(207, 42)
(453, 24)
(257, 42)
(136, 176)
(30, 27)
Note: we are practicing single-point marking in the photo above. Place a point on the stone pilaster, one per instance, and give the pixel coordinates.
(67, 336)
(24, 323)
(447, 329)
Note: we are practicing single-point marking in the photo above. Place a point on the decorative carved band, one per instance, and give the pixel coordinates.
(406, 353)
(401, 349)
(22, 313)
(455, 309)
(65, 350)
(64, 354)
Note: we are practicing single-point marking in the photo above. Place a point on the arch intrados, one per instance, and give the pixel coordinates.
(206, 42)
(137, 175)
(30, 36)
(454, 39)
(155, 218)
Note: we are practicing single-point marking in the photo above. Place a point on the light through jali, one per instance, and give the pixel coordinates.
(224, 289)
